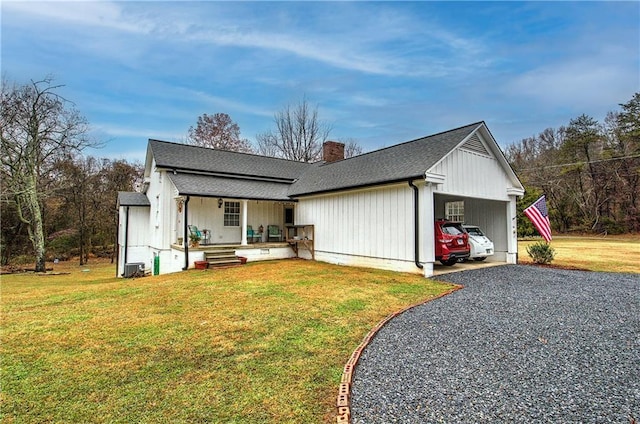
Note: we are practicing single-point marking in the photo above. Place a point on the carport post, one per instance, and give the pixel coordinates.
(428, 233)
(512, 231)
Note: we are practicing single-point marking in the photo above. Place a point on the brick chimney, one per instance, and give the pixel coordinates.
(332, 151)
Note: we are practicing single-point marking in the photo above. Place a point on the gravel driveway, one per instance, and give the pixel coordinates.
(518, 344)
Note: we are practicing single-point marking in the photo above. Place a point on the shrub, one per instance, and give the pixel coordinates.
(23, 260)
(541, 252)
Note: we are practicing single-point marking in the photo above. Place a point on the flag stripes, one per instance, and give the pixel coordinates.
(539, 216)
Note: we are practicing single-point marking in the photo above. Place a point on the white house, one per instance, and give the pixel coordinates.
(374, 210)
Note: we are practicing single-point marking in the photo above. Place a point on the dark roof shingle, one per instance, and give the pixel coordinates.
(241, 175)
(396, 163)
(130, 198)
(194, 158)
(234, 188)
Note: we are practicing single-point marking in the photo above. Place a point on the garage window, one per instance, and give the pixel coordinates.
(454, 211)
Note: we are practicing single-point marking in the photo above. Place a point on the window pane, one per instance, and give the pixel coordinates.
(454, 211)
(231, 214)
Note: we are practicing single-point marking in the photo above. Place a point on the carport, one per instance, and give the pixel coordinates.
(492, 216)
(473, 184)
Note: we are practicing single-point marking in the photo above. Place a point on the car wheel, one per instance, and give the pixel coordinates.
(450, 262)
(480, 259)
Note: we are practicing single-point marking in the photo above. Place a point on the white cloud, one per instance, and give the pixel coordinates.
(371, 40)
(583, 82)
(212, 102)
(91, 14)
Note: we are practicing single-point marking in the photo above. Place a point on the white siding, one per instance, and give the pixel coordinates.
(161, 193)
(265, 213)
(491, 218)
(136, 237)
(375, 223)
(472, 174)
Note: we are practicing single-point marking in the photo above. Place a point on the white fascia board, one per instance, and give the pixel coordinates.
(515, 191)
(434, 178)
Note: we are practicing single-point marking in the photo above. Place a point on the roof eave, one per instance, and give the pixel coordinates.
(224, 174)
(226, 196)
(359, 186)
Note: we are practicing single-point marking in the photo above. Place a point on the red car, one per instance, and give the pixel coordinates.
(452, 242)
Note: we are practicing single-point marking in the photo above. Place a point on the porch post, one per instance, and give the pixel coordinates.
(186, 235)
(244, 223)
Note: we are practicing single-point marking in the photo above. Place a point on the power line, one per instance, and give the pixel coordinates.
(581, 163)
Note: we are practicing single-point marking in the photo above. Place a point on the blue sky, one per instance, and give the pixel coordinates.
(379, 72)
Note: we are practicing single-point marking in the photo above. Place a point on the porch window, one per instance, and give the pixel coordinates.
(454, 211)
(231, 214)
(288, 215)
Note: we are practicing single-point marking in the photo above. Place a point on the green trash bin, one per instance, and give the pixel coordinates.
(156, 265)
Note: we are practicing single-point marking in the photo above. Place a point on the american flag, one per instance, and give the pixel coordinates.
(539, 215)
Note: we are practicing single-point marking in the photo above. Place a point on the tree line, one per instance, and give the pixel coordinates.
(589, 172)
(57, 202)
(54, 200)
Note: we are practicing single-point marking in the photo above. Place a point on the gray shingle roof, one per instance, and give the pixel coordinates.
(396, 163)
(129, 198)
(231, 172)
(213, 186)
(183, 156)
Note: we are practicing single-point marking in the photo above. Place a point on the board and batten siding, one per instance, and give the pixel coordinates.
(265, 213)
(470, 173)
(137, 236)
(374, 223)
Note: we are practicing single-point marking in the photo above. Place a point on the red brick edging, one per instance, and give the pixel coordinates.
(344, 392)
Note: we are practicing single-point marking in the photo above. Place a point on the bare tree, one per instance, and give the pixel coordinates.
(218, 131)
(37, 126)
(298, 135)
(79, 189)
(88, 188)
(352, 147)
(267, 145)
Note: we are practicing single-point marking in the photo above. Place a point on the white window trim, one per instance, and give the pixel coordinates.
(454, 211)
(228, 215)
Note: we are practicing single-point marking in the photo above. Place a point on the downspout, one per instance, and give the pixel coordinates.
(126, 236)
(117, 245)
(186, 235)
(416, 225)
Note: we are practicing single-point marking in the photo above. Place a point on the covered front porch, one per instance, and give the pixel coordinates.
(231, 221)
(248, 215)
(229, 210)
(228, 221)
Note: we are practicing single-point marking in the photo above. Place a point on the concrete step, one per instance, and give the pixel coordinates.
(220, 254)
(221, 258)
(223, 261)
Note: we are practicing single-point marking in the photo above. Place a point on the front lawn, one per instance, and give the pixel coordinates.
(593, 253)
(265, 342)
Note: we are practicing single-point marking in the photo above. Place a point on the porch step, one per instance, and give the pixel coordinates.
(221, 258)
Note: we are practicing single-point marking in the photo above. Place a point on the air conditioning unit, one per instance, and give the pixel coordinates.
(133, 269)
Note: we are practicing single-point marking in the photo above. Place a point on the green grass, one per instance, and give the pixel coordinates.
(607, 254)
(261, 343)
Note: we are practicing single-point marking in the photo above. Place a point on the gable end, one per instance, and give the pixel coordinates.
(476, 145)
